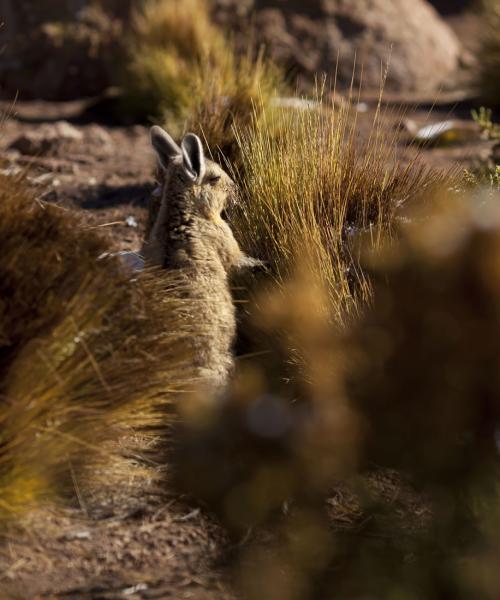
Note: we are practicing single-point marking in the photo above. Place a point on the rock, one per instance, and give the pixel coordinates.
(56, 50)
(47, 140)
(131, 221)
(294, 103)
(443, 133)
(11, 171)
(308, 37)
(43, 179)
(67, 49)
(22, 14)
(98, 136)
(131, 261)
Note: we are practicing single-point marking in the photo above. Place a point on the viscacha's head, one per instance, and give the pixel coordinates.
(196, 192)
(186, 166)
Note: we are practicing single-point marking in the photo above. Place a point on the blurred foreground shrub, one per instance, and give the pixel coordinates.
(424, 373)
(411, 386)
(285, 430)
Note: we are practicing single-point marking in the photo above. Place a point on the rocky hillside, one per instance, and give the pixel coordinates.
(62, 50)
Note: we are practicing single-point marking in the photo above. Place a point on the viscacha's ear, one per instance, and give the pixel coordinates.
(164, 146)
(194, 157)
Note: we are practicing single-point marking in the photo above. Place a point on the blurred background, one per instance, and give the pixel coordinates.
(432, 42)
(355, 452)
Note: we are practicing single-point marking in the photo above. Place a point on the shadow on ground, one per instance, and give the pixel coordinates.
(111, 196)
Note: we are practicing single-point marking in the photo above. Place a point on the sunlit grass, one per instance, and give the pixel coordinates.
(313, 184)
(87, 353)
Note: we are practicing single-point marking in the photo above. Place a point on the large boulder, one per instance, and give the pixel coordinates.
(308, 37)
(65, 49)
(58, 49)
(47, 139)
(19, 16)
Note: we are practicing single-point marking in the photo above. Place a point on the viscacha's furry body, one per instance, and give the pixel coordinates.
(189, 234)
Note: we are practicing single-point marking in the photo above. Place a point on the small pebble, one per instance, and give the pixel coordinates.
(131, 222)
(42, 179)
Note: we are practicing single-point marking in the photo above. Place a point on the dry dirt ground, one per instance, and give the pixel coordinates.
(143, 544)
(161, 549)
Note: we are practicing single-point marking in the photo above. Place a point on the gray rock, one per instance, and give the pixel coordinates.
(57, 49)
(98, 135)
(47, 140)
(308, 37)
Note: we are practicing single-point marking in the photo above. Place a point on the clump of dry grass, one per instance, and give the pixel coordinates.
(488, 54)
(312, 184)
(44, 264)
(183, 71)
(87, 354)
(170, 42)
(232, 100)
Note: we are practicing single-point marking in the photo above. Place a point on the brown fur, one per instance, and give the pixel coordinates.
(190, 234)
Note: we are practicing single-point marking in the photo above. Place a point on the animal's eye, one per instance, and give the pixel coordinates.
(214, 179)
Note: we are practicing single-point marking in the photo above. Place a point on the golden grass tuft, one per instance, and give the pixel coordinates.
(312, 183)
(234, 99)
(88, 354)
(183, 71)
(170, 42)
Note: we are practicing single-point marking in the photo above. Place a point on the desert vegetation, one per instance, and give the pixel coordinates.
(187, 75)
(310, 184)
(73, 327)
(322, 423)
